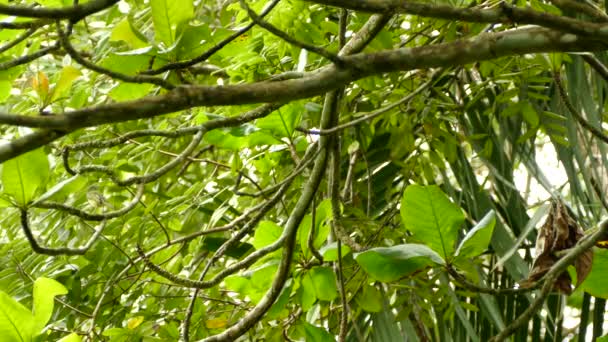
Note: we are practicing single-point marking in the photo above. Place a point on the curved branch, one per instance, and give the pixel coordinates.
(89, 216)
(373, 114)
(147, 178)
(20, 25)
(67, 46)
(55, 251)
(596, 132)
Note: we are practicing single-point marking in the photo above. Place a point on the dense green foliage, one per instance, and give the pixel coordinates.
(301, 170)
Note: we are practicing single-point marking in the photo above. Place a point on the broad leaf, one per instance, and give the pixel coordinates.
(168, 16)
(45, 290)
(595, 283)
(369, 299)
(67, 77)
(432, 218)
(324, 281)
(478, 238)
(16, 321)
(391, 263)
(24, 175)
(330, 251)
(266, 233)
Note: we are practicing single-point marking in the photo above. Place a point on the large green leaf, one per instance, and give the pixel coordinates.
(168, 16)
(330, 251)
(478, 238)
(323, 282)
(45, 290)
(391, 263)
(124, 31)
(266, 233)
(432, 218)
(16, 321)
(24, 175)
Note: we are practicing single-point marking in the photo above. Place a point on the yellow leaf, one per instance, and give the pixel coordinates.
(135, 322)
(216, 323)
(40, 83)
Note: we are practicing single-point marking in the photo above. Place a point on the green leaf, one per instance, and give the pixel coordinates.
(70, 185)
(168, 16)
(129, 63)
(130, 91)
(24, 175)
(530, 114)
(4, 203)
(5, 90)
(595, 283)
(306, 293)
(279, 304)
(73, 337)
(197, 39)
(370, 299)
(63, 86)
(317, 334)
(45, 290)
(123, 31)
(282, 122)
(391, 263)
(321, 230)
(330, 251)
(324, 281)
(266, 233)
(16, 321)
(238, 284)
(478, 238)
(431, 218)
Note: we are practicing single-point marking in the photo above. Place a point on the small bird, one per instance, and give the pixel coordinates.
(95, 198)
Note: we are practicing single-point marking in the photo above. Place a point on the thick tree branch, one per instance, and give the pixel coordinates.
(483, 47)
(74, 13)
(28, 143)
(505, 14)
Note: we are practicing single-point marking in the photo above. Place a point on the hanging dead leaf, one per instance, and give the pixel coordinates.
(559, 232)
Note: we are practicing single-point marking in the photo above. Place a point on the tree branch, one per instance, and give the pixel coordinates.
(55, 251)
(74, 13)
(484, 47)
(549, 279)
